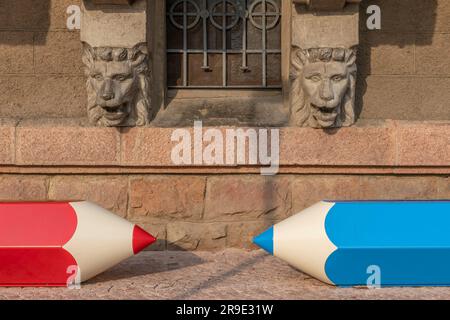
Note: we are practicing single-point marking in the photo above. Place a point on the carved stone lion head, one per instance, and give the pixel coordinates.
(117, 85)
(323, 87)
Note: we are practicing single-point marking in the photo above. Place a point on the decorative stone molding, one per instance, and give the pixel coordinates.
(114, 36)
(323, 63)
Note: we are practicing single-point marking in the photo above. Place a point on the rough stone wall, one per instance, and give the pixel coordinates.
(212, 212)
(41, 72)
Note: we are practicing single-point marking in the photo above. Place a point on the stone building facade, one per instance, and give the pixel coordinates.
(90, 114)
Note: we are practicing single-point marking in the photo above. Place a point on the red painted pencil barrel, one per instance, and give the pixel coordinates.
(59, 243)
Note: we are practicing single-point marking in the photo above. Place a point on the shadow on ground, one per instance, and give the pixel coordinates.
(158, 262)
(217, 279)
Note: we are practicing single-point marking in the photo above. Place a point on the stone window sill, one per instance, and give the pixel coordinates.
(382, 147)
(248, 108)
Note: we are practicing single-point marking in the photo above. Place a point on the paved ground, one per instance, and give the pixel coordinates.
(230, 274)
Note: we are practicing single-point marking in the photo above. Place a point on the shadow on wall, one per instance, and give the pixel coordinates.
(405, 25)
(24, 16)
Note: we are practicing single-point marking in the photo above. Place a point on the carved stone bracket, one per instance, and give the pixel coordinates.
(323, 63)
(114, 36)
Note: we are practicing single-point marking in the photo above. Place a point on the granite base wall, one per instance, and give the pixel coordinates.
(213, 212)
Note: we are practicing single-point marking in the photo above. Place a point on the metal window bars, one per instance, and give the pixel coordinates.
(225, 15)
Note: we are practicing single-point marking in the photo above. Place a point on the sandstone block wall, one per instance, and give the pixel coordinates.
(41, 71)
(212, 212)
(404, 68)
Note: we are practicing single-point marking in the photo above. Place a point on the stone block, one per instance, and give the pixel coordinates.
(25, 14)
(386, 53)
(23, 188)
(308, 190)
(247, 198)
(422, 145)
(444, 188)
(16, 52)
(60, 146)
(61, 53)
(369, 146)
(405, 98)
(196, 236)
(7, 143)
(335, 29)
(110, 192)
(430, 59)
(168, 197)
(399, 188)
(28, 96)
(144, 146)
(106, 26)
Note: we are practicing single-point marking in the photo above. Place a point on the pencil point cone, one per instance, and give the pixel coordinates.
(265, 240)
(141, 239)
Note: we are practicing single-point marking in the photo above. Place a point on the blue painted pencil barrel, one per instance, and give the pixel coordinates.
(398, 243)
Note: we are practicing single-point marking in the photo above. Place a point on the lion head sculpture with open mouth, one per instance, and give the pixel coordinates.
(117, 85)
(323, 87)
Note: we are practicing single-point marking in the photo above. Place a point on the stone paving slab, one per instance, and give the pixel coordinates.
(230, 274)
